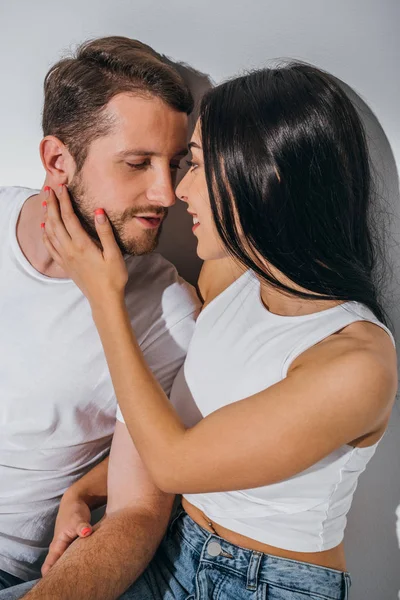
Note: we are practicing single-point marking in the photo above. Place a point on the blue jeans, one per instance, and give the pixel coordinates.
(7, 580)
(192, 564)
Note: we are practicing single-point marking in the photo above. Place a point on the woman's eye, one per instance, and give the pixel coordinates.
(192, 165)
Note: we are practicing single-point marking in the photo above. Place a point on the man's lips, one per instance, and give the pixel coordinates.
(149, 222)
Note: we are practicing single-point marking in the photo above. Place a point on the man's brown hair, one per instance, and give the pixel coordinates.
(78, 88)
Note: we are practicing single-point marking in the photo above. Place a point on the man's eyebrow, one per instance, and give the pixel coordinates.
(144, 152)
(193, 145)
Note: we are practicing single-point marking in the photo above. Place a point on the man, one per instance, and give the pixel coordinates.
(115, 129)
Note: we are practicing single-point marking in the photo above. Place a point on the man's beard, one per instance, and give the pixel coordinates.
(144, 243)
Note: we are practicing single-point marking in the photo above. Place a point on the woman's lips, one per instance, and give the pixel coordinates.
(196, 222)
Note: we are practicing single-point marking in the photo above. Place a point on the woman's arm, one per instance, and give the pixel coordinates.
(344, 392)
(92, 487)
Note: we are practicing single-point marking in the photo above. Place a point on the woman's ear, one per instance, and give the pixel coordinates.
(56, 160)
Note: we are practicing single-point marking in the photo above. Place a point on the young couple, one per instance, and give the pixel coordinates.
(290, 373)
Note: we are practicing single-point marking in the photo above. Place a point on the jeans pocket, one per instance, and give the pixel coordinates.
(276, 592)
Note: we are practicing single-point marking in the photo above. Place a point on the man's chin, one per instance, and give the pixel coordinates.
(141, 245)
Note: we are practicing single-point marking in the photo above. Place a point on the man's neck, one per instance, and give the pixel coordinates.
(29, 236)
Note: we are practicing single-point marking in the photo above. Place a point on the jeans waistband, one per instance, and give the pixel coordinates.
(257, 567)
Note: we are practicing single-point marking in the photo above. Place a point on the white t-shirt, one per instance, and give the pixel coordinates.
(238, 349)
(57, 403)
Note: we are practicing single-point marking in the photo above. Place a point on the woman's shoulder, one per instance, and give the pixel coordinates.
(361, 356)
(367, 341)
(363, 339)
(216, 276)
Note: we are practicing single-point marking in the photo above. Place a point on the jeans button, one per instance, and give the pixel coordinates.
(214, 549)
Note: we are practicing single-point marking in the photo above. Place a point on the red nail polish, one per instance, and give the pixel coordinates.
(44, 204)
(99, 211)
(42, 225)
(46, 188)
(85, 531)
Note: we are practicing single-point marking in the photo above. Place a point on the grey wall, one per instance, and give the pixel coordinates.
(356, 40)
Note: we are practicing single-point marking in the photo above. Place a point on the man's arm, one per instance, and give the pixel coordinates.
(102, 566)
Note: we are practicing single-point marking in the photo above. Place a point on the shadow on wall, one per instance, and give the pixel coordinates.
(371, 544)
(177, 242)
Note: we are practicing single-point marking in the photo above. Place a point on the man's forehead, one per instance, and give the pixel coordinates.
(147, 126)
(142, 110)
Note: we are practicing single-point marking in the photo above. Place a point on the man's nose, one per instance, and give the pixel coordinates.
(161, 191)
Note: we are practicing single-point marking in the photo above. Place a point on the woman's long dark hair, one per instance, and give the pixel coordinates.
(289, 180)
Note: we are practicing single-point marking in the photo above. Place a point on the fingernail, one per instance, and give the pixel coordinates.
(85, 531)
(44, 205)
(46, 190)
(42, 225)
(100, 215)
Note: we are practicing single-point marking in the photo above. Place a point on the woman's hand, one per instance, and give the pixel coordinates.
(73, 521)
(99, 272)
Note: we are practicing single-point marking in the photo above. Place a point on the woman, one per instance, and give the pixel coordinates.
(291, 365)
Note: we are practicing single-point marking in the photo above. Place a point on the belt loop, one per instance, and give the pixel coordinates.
(252, 571)
(347, 584)
(176, 515)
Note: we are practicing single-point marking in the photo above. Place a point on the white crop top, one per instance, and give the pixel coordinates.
(238, 349)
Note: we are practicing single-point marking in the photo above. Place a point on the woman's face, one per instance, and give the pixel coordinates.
(193, 190)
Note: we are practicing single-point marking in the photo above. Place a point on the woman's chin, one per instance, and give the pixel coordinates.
(209, 253)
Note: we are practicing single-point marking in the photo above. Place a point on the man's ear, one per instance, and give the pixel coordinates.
(56, 159)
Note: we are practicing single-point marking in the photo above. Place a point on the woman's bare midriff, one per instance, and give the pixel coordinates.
(332, 559)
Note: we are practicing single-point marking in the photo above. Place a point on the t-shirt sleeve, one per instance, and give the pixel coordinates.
(166, 354)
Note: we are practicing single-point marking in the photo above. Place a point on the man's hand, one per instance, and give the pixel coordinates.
(73, 520)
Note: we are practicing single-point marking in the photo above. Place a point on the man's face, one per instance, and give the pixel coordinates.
(131, 171)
